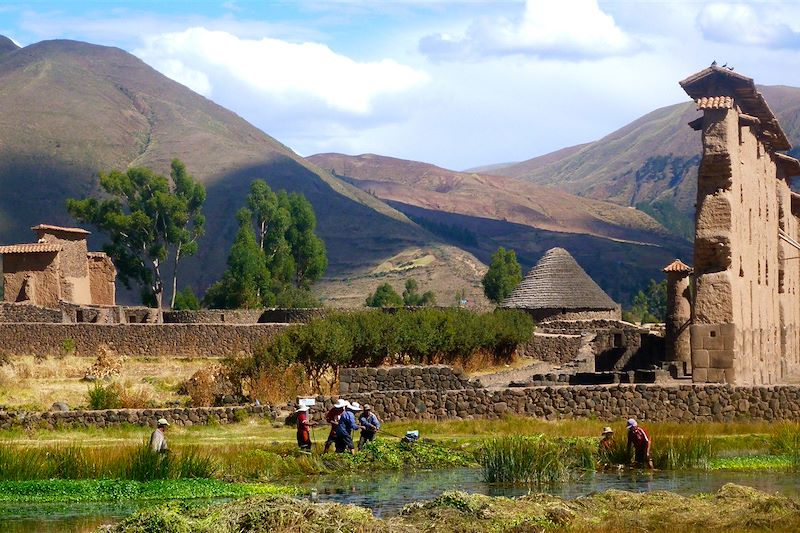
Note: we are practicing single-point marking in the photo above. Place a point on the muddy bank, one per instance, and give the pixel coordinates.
(732, 508)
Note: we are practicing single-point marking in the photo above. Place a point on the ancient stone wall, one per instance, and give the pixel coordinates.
(182, 416)
(684, 403)
(551, 347)
(162, 340)
(214, 316)
(394, 378)
(29, 313)
(32, 277)
(575, 314)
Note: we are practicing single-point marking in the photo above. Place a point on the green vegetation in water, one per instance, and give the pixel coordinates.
(732, 508)
(93, 490)
(752, 462)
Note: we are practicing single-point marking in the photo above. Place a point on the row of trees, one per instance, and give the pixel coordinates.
(151, 219)
(386, 296)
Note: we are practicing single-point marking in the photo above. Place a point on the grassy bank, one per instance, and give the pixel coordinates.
(97, 490)
(732, 508)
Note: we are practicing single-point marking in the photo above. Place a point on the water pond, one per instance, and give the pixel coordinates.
(386, 493)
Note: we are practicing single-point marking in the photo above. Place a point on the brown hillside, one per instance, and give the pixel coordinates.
(70, 109)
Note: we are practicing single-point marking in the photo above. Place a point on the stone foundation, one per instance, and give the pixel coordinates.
(135, 340)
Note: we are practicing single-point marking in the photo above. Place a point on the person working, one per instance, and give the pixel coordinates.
(344, 430)
(607, 442)
(332, 418)
(158, 441)
(370, 424)
(639, 440)
(303, 428)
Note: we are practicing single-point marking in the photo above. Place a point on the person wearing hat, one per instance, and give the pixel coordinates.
(607, 442)
(332, 418)
(158, 441)
(303, 428)
(370, 424)
(639, 440)
(344, 430)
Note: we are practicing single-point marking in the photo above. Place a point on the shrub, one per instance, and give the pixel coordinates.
(186, 300)
(68, 347)
(105, 396)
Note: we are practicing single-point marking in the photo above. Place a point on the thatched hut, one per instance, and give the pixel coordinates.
(558, 288)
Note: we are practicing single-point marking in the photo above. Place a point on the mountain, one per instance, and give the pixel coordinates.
(650, 163)
(622, 248)
(69, 110)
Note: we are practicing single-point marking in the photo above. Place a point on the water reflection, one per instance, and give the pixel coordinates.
(386, 493)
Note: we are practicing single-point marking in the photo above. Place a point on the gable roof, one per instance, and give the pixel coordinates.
(557, 281)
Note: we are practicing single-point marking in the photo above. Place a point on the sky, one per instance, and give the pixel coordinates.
(458, 84)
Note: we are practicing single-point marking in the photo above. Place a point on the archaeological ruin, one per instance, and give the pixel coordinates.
(745, 313)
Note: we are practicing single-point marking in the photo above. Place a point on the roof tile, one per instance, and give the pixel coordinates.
(39, 247)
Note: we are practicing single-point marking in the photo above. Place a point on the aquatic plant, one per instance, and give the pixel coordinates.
(523, 459)
(786, 441)
(693, 451)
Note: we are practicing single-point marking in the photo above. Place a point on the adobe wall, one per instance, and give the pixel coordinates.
(162, 340)
(43, 271)
(736, 334)
(102, 275)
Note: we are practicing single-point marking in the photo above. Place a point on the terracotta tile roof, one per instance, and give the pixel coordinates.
(714, 102)
(715, 80)
(677, 266)
(96, 254)
(39, 247)
(558, 282)
(48, 227)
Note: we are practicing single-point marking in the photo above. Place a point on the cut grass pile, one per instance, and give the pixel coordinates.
(732, 508)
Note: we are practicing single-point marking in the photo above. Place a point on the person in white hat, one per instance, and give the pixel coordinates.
(370, 424)
(639, 440)
(158, 441)
(344, 431)
(303, 428)
(332, 418)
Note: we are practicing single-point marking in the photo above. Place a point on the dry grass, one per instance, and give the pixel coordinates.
(28, 383)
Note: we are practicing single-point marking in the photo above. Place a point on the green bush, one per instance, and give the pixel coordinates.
(105, 396)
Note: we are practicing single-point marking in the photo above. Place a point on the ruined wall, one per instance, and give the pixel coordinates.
(41, 270)
(214, 316)
(551, 347)
(540, 315)
(102, 275)
(393, 378)
(152, 340)
(75, 286)
(735, 336)
(29, 313)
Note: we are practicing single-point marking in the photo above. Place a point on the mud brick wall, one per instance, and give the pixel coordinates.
(401, 378)
(152, 340)
(551, 347)
(679, 403)
(137, 417)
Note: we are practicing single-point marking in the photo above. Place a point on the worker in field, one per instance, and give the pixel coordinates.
(344, 430)
(640, 441)
(304, 425)
(607, 442)
(158, 440)
(332, 418)
(370, 425)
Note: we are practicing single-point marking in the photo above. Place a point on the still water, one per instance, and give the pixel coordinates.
(386, 494)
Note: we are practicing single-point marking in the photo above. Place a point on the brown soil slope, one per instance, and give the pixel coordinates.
(70, 109)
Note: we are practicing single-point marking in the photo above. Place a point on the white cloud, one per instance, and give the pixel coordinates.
(275, 71)
(566, 29)
(748, 25)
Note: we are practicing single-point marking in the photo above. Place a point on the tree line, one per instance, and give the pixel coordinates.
(151, 219)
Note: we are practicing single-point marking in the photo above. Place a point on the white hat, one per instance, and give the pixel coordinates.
(607, 430)
(302, 408)
(355, 406)
(367, 407)
(341, 402)
(631, 423)
(162, 422)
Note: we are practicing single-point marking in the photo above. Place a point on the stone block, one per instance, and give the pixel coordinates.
(713, 340)
(700, 375)
(716, 375)
(720, 358)
(701, 359)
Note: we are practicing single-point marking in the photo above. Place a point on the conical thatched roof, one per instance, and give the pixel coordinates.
(558, 282)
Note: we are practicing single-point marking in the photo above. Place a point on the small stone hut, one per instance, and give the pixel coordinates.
(57, 268)
(557, 288)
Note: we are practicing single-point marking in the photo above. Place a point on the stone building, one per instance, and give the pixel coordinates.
(557, 288)
(57, 269)
(745, 312)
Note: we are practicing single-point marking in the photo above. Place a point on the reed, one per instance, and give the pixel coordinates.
(786, 441)
(689, 452)
(523, 459)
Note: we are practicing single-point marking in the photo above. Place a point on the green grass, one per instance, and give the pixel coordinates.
(83, 490)
(752, 462)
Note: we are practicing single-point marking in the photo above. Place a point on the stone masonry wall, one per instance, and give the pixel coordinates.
(163, 340)
(551, 347)
(399, 378)
(679, 403)
(137, 417)
(13, 312)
